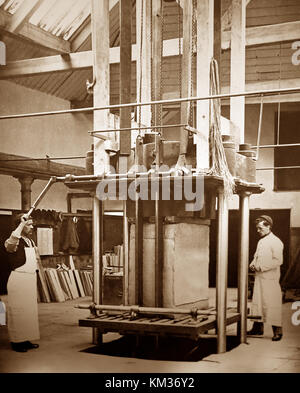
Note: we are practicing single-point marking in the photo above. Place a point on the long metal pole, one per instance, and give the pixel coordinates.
(140, 128)
(125, 255)
(169, 101)
(146, 310)
(274, 146)
(159, 231)
(97, 262)
(243, 266)
(222, 265)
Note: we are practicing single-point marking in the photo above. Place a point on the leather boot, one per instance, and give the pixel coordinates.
(277, 333)
(18, 347)
(30, 345)
(257, 329)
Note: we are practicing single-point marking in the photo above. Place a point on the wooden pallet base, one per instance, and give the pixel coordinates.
(183, 326)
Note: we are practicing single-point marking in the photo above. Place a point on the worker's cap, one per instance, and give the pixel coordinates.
(267, 219)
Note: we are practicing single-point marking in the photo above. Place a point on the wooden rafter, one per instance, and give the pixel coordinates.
(267, 34)
(254, 36)
(32, 33)
(44, 65)
(14, 165)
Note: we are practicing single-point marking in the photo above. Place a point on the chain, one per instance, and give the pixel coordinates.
(161, 62)
(179, 51)
(193, 43)
(141, 68)
(153, 107)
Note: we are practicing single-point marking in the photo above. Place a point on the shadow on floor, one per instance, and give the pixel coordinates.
(169, 349)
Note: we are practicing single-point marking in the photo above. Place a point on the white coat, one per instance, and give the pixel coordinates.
(22, 307)
(267, 296)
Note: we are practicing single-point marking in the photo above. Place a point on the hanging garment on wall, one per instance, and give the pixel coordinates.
(70, 239)
(84, 230)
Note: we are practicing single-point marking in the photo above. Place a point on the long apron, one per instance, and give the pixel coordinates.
(267, 300)
(22, 307)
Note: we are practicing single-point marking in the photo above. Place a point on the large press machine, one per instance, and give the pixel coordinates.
(166, 239)
(173, 178)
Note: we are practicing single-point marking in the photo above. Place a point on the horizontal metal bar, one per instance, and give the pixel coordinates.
(111, 176)
(278, 167)
(137, 128)
(169, 101)
(43, 159)
(273, 146)
(77, 215)
(145, 310)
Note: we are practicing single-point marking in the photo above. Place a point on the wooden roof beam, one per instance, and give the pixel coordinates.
(34, 34)
(73, 61)
(267, 34)
(9, 165)
(44, 65)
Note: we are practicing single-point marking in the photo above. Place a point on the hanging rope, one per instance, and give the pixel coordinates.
(218, 160)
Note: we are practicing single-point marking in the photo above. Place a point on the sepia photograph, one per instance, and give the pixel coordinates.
(149, 189)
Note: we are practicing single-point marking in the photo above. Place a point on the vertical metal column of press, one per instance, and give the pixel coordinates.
(222, 267)
(243, 266)
(125, 256)
(139, 232)
(97, 260)
(159, 234)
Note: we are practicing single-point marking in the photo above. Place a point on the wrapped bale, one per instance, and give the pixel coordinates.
(186, 265)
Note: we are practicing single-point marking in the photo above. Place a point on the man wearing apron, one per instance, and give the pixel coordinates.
(267, 295)
(22, 307)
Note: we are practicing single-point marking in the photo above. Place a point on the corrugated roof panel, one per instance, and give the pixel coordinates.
(61, 18)
(58, 17)
(11, 6)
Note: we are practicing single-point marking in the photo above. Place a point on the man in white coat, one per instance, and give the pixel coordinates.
(267, 295)
(22, 307)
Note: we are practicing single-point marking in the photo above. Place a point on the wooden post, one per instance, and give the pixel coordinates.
(100, 46)
(237, 72)
(205, 47)
(243, 265)
(222, 267)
